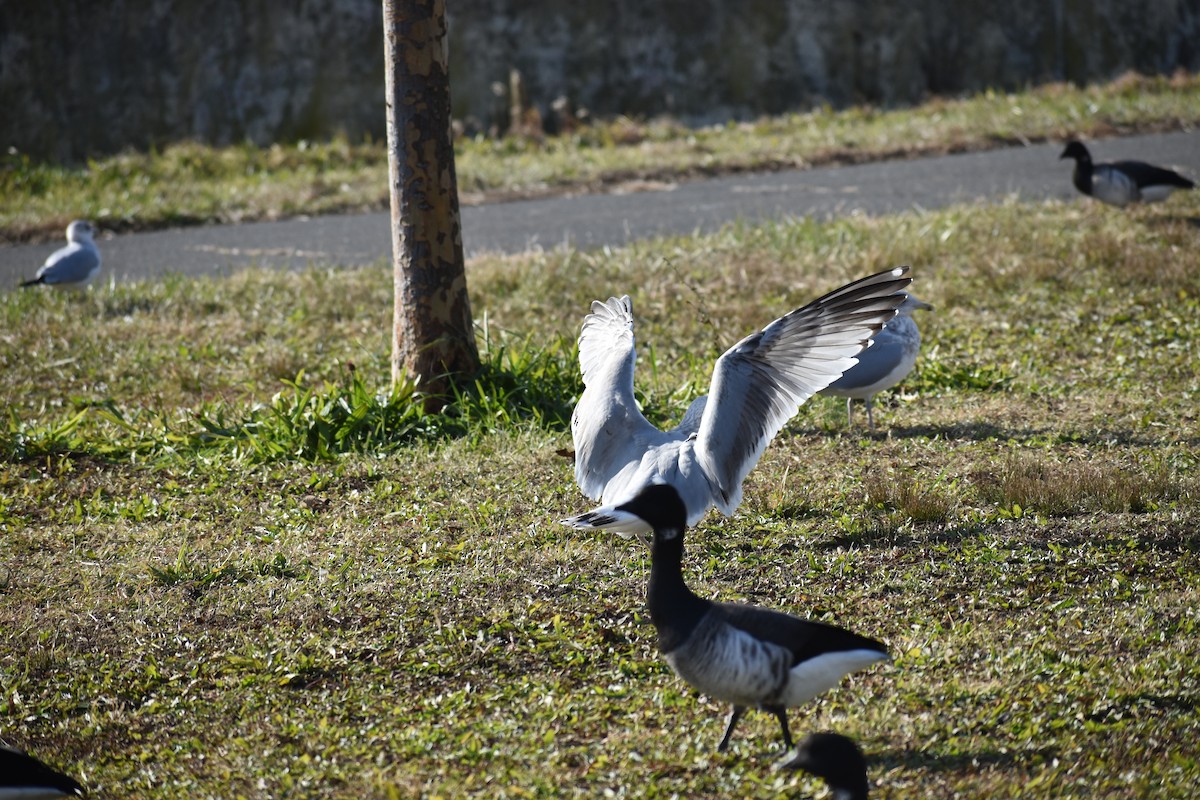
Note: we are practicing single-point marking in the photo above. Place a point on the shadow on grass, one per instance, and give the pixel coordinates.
(984, 432)
(1168, 220)
(890, 537)
(1168, 541)
(959, 762)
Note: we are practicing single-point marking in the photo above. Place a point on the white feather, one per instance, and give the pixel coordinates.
(816, 675)
(757, 386)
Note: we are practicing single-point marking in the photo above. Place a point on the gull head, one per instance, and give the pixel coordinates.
(80, 231)
(911, 304)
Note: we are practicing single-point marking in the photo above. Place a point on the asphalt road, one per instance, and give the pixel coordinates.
(589, 221)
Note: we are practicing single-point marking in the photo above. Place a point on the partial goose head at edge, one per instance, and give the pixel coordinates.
(837, 759)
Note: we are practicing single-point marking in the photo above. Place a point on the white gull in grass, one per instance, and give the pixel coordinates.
(73, 266)
(757, 386)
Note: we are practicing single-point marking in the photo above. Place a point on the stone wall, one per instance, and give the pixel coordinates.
(81, 78)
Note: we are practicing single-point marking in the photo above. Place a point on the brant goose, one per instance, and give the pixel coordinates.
(835, 758)
(23, 776)
(73, 266)
(737, 653)
(757, 386)
(889, 359)
(1120, 183)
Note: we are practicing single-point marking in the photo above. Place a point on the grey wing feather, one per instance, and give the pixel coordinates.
(71, 264)
(690, 424)
(869, 371)
(888, 350)
(759, 383)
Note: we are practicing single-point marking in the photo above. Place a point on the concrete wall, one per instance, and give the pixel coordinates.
(80, 77)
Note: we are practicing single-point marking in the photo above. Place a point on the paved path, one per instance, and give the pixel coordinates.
(612, 219)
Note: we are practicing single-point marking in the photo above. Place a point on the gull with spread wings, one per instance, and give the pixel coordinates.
(757, 386)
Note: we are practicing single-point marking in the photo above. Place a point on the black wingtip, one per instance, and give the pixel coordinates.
(591, 519)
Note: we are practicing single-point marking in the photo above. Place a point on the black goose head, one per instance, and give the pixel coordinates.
(662, 508)
(1077, 151)
(835, 758)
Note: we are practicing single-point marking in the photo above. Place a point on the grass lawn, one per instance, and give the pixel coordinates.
(233, 565)
(187, 184)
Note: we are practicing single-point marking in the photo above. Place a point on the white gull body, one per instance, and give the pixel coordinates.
(757, 386)
(889, 359)
(73, 266)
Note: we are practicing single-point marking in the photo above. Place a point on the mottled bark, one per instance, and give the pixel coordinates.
(433, 340)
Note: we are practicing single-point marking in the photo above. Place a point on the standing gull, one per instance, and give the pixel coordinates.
(740, 654)
(757, 386)
(73, 266)
(1120, 183)
(889, 359)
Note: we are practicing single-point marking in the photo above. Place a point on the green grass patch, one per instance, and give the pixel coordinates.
(235, 563)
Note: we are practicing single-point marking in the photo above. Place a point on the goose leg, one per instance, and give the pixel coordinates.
(780, 713)
(733, 720)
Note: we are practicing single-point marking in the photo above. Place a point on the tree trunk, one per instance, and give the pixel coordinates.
(433, 340)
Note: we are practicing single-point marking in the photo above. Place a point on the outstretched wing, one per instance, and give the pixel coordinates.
(606, 341)
(759, 383)
(607, 424)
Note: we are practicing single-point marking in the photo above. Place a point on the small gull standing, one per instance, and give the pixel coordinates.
(889, 359)
(757, 386)
(73, 266)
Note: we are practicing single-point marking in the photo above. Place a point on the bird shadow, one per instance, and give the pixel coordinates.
(1166, 220)
(987, 432)
(968, 431)
(910, 759)
(892, 537)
